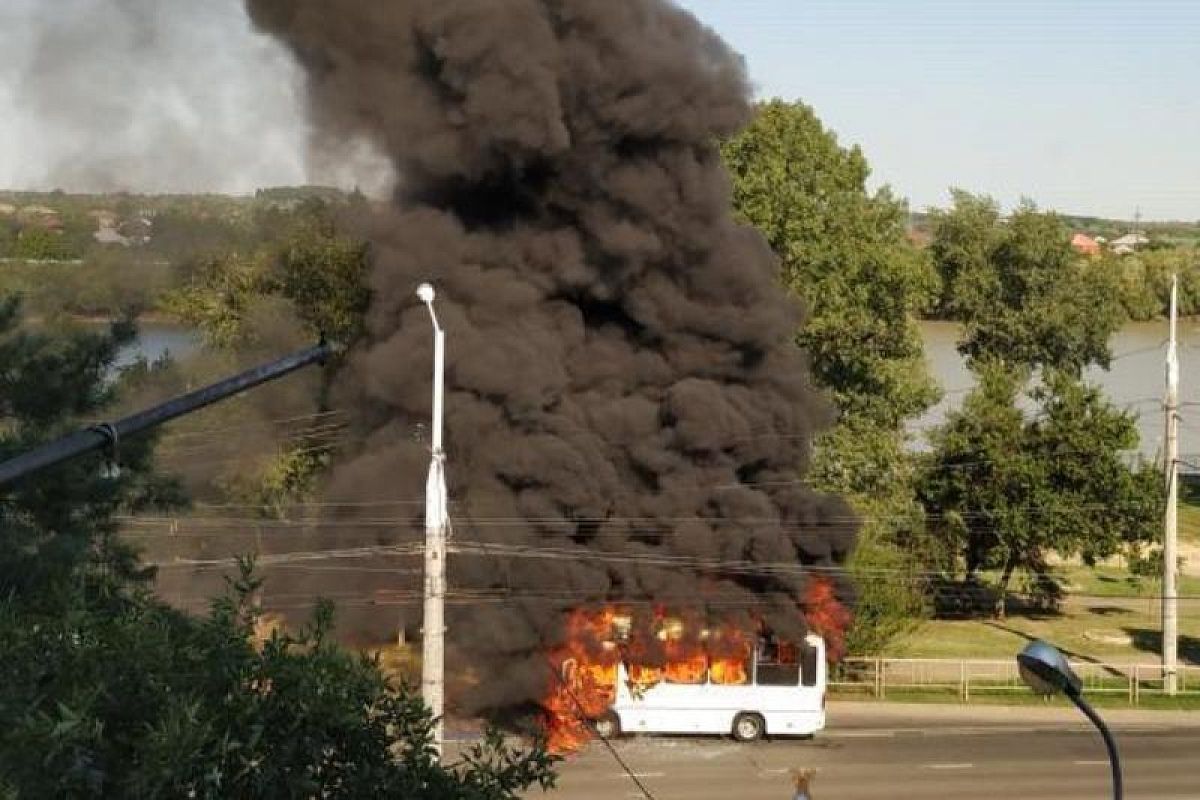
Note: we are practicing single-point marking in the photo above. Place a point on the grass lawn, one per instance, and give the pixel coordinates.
(1110, 616)
(1189, 509)
(1188, 512)
(1024, 698)
(1113, 582)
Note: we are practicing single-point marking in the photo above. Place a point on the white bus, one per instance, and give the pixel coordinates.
(779, 698)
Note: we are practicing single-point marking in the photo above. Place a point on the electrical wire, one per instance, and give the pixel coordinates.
(469, 519)
(222, 430)
(581, 716)
(723, 602)
(910, 577)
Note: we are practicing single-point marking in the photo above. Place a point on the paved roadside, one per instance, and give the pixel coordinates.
(850, 718)
(867, 715)
(881, 751)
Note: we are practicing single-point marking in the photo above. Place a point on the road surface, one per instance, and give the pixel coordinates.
(909, 752)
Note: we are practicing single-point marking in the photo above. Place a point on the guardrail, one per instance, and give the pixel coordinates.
(72, 261)
(963, 678)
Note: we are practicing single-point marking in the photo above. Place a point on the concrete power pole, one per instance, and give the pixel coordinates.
(1170, 601)
(433, 653)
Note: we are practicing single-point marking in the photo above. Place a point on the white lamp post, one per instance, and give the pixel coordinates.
(1170, 601)
(433, 680)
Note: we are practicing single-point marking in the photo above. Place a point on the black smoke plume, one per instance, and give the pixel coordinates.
(624, 386)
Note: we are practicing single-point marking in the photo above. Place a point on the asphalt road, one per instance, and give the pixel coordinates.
(923, 754)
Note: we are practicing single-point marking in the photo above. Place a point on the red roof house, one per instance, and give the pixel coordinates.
(1085, 245)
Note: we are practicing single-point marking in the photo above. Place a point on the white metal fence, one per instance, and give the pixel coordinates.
(963, 678)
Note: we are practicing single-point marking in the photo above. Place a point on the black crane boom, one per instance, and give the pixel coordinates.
(110, 434)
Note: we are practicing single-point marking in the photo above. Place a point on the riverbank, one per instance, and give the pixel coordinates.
(158, 319)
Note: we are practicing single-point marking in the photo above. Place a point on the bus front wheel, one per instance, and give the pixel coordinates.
(608, 726)
(748, 727)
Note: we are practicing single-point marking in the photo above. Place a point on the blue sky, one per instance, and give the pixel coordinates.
(1085, 107)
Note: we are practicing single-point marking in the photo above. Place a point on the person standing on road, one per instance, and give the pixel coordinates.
(802, 778)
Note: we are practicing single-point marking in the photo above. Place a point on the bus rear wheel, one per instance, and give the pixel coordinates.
(608, 726)
(748, 727)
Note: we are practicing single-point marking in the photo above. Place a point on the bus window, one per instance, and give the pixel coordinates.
(771, 674)
(777, 664)
(808, 665)
(691, 670)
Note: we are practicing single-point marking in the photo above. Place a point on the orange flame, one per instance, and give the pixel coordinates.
(658, 648)
(827, 616)
(729, 654)
(586, 685)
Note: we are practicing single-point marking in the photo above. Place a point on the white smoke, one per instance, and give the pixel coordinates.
(154, 96)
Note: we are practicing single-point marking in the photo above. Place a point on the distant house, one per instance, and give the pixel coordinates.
(1085, 245)
(1128, 243)
(110, 235)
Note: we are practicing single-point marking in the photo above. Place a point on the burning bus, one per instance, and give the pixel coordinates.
(682, 679)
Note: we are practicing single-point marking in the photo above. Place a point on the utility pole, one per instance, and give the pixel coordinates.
(1170, 601)
(433, 652)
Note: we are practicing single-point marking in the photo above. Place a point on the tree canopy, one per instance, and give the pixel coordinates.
(1036, 461)
(1007, 489)
(302, 260)
(1024, 296)
(106, 691)
(844, 253)
(62, 521)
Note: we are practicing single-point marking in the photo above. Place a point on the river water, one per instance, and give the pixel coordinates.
(1134, 381)
(157, 340)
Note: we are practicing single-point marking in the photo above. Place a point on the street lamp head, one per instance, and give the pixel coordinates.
(1046, 671)
(426, 293)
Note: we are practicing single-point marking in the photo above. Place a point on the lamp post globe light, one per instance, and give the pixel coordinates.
(1047, 672)
(426, 294)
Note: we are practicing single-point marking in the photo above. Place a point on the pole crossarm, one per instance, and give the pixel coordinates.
(110, 434)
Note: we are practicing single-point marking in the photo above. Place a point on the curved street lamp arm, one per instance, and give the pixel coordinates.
(1114, 757)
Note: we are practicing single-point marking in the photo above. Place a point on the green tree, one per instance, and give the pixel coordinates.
(1006, 489)
(107, 692)
(38, 244)
(1025, 298)
(63, 520)
(1003, 488)
(1145, 281)
(306, 262)
(964, 239)
(304, 275)
(844, 251)
(8, 237)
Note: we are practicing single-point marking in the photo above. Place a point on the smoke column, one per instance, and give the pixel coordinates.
(154, 96)
(623, 382)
